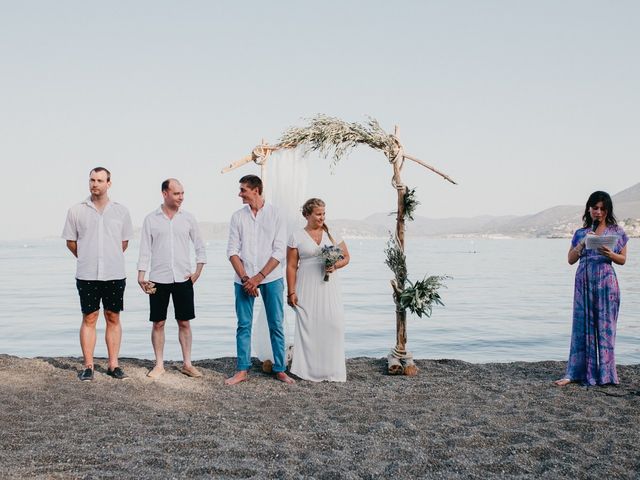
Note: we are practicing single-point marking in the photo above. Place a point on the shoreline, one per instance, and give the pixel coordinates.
(454, 420)
(30, 241)
(149, 362)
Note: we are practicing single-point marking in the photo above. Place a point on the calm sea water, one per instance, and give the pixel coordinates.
(507, 300)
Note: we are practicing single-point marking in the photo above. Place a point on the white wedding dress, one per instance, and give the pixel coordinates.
(318, 352)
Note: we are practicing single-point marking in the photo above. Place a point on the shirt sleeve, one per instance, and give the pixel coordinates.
(622, 240)
(144, 258)
(234, 243)
(293, 240)
(70, 230)
(577, 237)
(279, 251)
(127, 227)
(198, 244)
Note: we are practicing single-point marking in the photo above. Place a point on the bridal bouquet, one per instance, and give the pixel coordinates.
(330, 254)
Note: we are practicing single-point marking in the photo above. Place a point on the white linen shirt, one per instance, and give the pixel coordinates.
(164, 246)
(99, 237)
(257, 239)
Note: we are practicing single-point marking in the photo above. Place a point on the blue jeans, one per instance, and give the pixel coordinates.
(272, 297)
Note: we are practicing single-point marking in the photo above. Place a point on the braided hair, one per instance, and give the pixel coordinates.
(307, 209)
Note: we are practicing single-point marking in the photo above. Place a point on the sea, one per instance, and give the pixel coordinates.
(505, 300)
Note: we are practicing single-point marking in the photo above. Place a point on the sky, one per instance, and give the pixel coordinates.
(527, 105)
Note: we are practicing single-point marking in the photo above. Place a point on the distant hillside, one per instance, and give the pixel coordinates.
(627, 203)
(442, 226)
(559, 221)
(631, 194)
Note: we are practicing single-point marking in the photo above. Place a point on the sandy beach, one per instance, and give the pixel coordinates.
(454, 420)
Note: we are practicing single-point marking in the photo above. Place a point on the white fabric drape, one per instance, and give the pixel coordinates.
(285, 181)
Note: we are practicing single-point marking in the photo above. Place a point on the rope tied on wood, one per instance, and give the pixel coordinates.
(398, 163)
(261, 153)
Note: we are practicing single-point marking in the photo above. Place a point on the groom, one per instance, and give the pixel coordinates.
(256, 250)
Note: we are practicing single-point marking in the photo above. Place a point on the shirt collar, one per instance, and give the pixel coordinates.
(247, 207)
(159, 211)
(88, 202)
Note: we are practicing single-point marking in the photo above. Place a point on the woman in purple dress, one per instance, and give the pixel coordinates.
(596, 297)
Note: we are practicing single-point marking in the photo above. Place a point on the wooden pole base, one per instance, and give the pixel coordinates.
(401, 365)
(394, 365)
(411, 370)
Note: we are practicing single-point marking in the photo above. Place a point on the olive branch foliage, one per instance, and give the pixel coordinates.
(329, 135)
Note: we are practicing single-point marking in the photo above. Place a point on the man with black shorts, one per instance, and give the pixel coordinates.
(164, 253)
(97, 232)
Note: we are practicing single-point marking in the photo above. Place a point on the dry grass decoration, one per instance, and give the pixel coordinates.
(333, 137)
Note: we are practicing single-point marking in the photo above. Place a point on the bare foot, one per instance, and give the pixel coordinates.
(283, 377)
(240, 376)
(563, 382)
(191, 371)
(155, 372)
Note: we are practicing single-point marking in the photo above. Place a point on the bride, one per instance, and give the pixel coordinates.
(319, 334)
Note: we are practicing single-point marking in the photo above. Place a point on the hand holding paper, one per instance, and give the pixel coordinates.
(593, 242)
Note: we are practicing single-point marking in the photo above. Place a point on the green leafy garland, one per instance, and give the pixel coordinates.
(418, 297)
(397, 262)
(410, 203)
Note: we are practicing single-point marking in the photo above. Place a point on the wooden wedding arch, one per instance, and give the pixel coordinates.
(335, 137)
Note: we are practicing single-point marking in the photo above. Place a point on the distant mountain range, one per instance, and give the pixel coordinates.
(554, 222)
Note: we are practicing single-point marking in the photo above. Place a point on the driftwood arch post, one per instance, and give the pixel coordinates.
(329, 135)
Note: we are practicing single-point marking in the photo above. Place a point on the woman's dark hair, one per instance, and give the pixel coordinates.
(594, 198)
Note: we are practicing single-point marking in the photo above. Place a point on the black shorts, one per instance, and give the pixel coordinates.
(182, 295)
(111, 292)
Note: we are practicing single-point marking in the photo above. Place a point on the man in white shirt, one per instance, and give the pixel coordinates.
(167, 233)
(97, 232)
(256, 250)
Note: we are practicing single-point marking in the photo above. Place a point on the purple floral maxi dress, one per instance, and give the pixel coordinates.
(595, 313)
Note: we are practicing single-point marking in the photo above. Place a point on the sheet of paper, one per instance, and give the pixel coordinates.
(593, 242)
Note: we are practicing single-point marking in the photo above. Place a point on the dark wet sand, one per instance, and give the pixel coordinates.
(454, 420)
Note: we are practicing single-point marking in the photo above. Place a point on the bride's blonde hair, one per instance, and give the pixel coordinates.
(307, 209)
